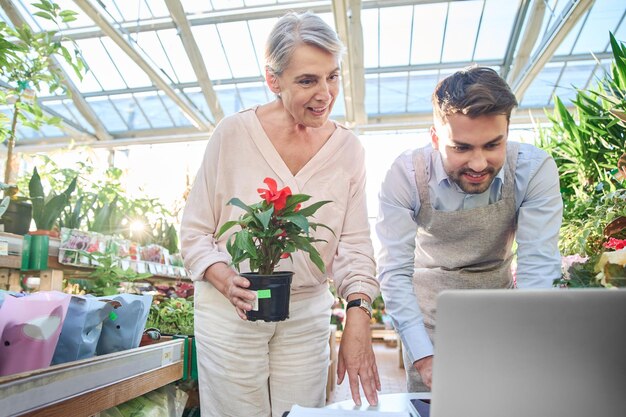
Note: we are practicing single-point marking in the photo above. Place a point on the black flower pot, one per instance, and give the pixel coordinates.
(17, 217)
(272, 295)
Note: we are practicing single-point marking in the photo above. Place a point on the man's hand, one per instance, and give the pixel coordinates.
(357, 357)
(232, 286)
(425, 368)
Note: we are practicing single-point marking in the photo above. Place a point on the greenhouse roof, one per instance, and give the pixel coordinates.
(170, 70)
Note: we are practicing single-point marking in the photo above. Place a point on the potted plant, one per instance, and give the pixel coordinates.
(271, 230)
(15, 211)
(47, 209)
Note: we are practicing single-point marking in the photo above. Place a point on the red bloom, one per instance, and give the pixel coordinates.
(616, 244)
(297, 208)
(284, 255)
(273, 195)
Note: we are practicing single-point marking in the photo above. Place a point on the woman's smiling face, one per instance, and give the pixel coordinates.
(309, 86)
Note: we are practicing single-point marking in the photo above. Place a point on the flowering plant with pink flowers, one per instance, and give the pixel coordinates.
(272, 229)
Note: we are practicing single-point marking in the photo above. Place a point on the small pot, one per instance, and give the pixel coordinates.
(272, 303)
(17, 217)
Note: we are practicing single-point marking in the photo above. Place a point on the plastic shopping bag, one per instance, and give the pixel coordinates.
(123, 328)
(82, 328)
(29, 330)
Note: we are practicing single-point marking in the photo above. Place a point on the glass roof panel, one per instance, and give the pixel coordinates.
(129, 110)
(157, 8)
(229, 98)
(393, 91)
(339, 108)
(604, 16)
(369, 20)
(100, 65)
(619, 34)
(421, 86)
(133, 75)
(395, 35)
(130, 10)
(428, 30)
(107, 113)
(496, 26)
(195, 6)
(254, 93)
(178, 117)
(67, 110)
(459, 44)
(226, 4)
(372, 94)
(212, 52)
(259, 30)
(153, 43)
(565, 48)
(240, 53)
(540, 90)
(575, 74)
(154, 110)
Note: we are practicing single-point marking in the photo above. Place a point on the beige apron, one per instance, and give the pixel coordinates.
(460, 249)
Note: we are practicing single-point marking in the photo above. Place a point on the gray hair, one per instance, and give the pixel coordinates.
(293, 30)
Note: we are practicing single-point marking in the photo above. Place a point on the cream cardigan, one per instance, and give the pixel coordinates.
(238, 157)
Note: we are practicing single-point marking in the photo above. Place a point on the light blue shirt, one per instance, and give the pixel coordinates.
(539, 214)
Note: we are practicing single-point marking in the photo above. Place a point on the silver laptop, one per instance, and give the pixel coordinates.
(543, 353)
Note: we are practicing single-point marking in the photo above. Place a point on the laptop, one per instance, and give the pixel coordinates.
(514, 353)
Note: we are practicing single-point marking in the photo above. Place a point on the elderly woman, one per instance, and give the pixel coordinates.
(251, 368)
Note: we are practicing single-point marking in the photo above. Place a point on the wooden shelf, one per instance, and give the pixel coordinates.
(86, 387)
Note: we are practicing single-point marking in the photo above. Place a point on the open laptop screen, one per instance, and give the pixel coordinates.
(551, 353)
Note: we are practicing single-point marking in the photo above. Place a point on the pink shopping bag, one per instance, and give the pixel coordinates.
(29, 330)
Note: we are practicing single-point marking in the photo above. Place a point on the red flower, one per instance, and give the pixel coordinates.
(273, 195)
(616, 244)
(284, 255)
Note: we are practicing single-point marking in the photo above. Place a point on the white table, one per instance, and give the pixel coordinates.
(386, 402)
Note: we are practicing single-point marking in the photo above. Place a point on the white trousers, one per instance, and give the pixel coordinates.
(259, 369)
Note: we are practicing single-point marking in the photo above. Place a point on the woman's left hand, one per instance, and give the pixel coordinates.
(357, 357)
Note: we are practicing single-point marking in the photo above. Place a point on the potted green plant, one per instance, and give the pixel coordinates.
(271, 230)
(47, 209)
(15, 211)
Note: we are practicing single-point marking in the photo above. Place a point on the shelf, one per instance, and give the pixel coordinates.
(85, 387)
(53, 276)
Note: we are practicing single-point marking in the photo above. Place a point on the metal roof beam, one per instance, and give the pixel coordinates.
(195, 57)
(194, 116)
(348, 23)
(572, 12)
(514, 40)
(79, 101)
(531, 34)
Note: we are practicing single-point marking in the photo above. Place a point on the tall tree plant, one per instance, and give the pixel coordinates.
(25, 64)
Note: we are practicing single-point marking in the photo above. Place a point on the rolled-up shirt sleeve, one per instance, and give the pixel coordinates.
(396, 229)
(540, 214)
(354, 267)
(198, 226)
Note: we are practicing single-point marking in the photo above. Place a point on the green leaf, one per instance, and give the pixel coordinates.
(225, 227)
(310, 210)
(299, 220)
(264, 217)
(238, 203)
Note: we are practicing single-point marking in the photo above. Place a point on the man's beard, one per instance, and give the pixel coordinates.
(473, 188)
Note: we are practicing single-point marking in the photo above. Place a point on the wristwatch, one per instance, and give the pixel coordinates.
(362, 303)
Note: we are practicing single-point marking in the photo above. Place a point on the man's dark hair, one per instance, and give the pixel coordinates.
(473, 91)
